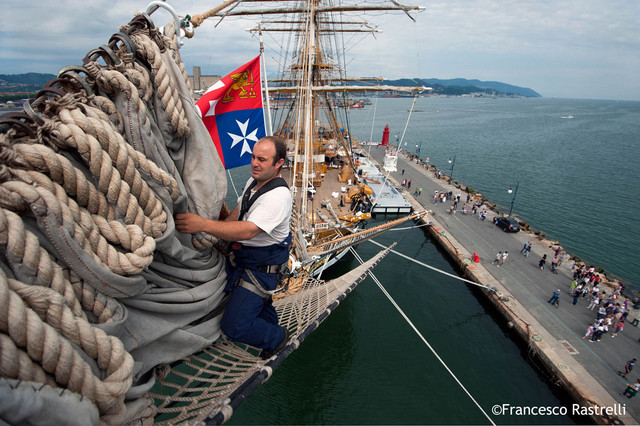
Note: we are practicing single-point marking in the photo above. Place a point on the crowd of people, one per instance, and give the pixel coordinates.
(609, 308)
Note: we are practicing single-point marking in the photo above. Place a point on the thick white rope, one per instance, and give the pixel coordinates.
(431, 267)
(424, 340)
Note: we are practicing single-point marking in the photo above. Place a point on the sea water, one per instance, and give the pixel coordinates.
(365, 365)
(576, 163)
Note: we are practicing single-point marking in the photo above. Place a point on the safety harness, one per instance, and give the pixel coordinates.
(275, 271)
(248, 200)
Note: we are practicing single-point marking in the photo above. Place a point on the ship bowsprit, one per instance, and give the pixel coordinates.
(209, 385)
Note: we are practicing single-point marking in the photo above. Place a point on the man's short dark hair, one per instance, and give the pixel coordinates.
(281, 147)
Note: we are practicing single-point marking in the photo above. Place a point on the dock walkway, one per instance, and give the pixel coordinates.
(588, 370)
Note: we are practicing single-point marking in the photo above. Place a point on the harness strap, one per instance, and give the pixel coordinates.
(268, 269)
(255, 287)
(248, 200)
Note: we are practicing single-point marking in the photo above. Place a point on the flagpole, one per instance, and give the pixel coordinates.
(267, 124)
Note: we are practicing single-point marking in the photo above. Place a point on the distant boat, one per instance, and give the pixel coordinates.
(568, 116)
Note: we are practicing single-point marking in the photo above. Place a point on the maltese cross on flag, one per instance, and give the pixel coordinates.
(231, 110)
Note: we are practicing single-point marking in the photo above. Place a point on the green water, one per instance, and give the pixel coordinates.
(365, 365)
(578, 177)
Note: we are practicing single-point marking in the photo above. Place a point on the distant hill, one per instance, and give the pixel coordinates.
(462, 86)
(30, 82)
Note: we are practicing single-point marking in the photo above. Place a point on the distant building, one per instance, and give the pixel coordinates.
(200, 83)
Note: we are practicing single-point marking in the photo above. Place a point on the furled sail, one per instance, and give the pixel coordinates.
(104, 306)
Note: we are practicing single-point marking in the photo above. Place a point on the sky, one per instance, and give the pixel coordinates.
(564, 49)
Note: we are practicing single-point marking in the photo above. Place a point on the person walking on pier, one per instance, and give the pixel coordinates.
(554, 265)
(628, 367)
(542, 262)
(576, 296)
(497, 259)
(505, 256)
(599, 331)
(573, 288)
(619, 328)
(589, 332)
(555, 299)
(595, 301)
(562, 257)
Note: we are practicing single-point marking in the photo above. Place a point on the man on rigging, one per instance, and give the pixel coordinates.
(259, 225)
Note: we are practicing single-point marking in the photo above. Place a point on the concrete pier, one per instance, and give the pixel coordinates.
(586, 370)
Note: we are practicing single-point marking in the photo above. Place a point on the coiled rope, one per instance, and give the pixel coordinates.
(40, 324)
(66, 163)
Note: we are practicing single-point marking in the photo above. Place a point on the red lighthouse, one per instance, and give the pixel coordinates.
(385, 136)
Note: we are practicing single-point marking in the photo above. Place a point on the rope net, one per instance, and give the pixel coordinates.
(100, 296)
(211, 383)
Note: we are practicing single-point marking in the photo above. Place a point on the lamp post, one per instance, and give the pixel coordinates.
(453, 163)
(514, 196)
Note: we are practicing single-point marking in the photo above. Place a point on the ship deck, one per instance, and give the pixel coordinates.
(331, 189)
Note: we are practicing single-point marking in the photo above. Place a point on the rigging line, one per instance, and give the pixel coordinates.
(232, 183)
(375, 102)
(431, 267)
(408, 227)
(424, 340)
(415, 39)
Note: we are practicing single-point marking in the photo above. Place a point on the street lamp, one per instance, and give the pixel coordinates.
(453, 163)
(514, 196)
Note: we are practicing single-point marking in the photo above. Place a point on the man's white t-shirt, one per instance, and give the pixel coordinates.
(271, 213)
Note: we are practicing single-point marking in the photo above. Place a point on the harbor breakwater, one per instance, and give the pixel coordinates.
(540, 235)
(569, 373)
(577, 176)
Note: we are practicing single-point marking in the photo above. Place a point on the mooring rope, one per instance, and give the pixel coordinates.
(431, 267)
(424, 340)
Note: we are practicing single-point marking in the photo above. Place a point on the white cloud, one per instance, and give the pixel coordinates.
(573, 48)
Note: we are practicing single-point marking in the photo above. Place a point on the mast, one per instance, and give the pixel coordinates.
(263, 70)
(309, 56)
(313, 77)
